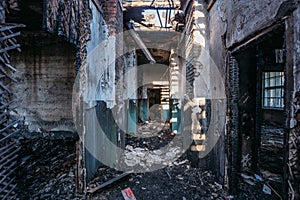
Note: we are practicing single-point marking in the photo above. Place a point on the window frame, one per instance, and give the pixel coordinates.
(273, 84)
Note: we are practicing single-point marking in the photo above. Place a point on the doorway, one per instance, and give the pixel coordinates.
(261, 108)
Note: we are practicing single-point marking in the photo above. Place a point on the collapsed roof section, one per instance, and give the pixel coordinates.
(152, 15)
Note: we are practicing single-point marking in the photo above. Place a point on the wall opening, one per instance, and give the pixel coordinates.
(261, 109)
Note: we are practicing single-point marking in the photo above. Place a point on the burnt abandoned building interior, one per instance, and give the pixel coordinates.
(150, 99)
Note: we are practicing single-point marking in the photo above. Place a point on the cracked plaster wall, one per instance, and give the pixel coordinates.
(245, 17)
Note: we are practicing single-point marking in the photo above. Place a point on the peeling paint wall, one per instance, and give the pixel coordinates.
(102, 87)
(100, 61)
(245, 17)
(217, 31)
(45, 74)
(99, 87)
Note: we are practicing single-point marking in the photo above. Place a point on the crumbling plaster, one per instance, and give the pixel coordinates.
(244, 17)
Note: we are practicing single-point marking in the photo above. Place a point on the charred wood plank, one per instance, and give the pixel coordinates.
(103, 185)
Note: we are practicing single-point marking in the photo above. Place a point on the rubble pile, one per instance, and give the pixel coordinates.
(176, 180)
(146, 158)
(152, 145)
(152, 128)
(47, 169)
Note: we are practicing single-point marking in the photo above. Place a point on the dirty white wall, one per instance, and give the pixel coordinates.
(101, 59)
(155, 72)
(201, 52)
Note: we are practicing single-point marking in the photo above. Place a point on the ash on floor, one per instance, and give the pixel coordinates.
(47, 169)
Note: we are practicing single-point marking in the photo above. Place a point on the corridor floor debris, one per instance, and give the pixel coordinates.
(179, 181)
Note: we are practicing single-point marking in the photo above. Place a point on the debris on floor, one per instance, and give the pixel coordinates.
(48, 172)
(146, 158)
(152, 128)
(179, 181)
(47, 169)
(107, 183)
(254, 186)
